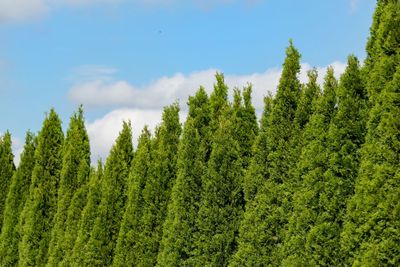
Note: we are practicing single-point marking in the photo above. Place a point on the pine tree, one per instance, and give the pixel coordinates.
(37, 218)
(262, 229)
(222, 201)
(157, 189)
(128, 234)
(372, 229)
(6, 171)
(17, 195)
(74, 173)
(103, 238)
(180, 226)
(88, 217)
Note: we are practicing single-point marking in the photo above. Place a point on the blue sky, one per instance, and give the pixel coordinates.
(127, 59)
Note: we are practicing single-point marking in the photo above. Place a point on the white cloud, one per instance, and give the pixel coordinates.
(104, 131)
(143, 106)
(165, 90)
(20, 10)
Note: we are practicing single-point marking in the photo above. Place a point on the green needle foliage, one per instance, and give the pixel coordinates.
(128, 234)
(218, 101)
(317, 184)
(17, 195)
(257, 171)
(157, 189)
(103, 238)
(312, 164)
(372, 229)
(74, 214)
(261, 232)
(222, 201)
(37, 218)
(180, 225)
(328, 176)
(74, 173)
(87, 220)
(6, 171)
(245, 123)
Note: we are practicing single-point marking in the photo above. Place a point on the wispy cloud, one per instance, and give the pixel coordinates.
(23, 10)
(354, 5)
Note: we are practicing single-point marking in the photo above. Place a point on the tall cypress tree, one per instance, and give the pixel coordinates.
(88, 217)
(75, 213)
(74, 173)
(218, 101)
(103, 238)
(245, 123)
(382, 47)
(261, 232)
(157, 189)
(180, 226)
(37, 218)
(17, 195)
(129, 231)
(6, 171)
(372, 227)
(327, 188)
(313, 162)
(257, 170)
(222, 201)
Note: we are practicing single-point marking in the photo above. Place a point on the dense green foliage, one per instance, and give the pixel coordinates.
(74, 172)
(37, 218)
(261, 231)
(6, 171)
(177, 243)
(88, 217)
(315, 183)
(103, 238)
(16, 198)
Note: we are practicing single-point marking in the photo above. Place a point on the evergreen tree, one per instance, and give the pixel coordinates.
(17, 195)
(257, 170)
(382, 47)
(103, 238)
(262, 229)
(313, 162)
(307, 102)
(371, 232)
(87, 220)
(180, 226)
(74, 173)
(157, 190)
(129, 232)
(245, 123)
(7, 169)
(222, 201)
(37, 218)
(75, 212)
(218, 101)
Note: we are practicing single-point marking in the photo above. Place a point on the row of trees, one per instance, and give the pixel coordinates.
(316, 182)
